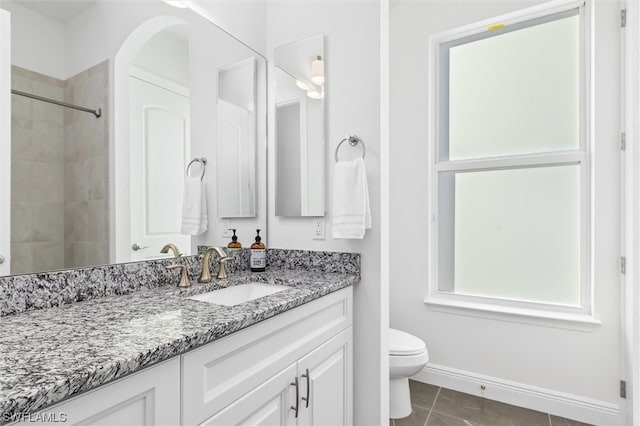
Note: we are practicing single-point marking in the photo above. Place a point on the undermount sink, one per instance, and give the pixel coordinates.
(238, 294)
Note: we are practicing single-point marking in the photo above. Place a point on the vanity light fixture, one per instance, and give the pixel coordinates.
(314, 94)
(176, 3)
(317, 71)
(302, 86)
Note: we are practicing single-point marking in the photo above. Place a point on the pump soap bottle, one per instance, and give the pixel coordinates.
(234, 245)
(258, 260)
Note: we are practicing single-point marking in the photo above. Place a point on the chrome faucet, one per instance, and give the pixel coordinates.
(205, 275)
(174, 249)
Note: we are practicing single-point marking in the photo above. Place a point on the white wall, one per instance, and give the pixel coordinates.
(352, 53)
(166, 55)
(37, 41)
(236, 84)
(582, 365)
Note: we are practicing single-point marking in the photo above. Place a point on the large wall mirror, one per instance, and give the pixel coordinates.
(157, 87)
(300, 133)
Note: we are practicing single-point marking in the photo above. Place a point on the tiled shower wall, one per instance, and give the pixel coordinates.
(86, 153)
(58, 162)
(37, 171)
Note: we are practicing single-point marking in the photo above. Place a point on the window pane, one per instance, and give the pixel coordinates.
(515, 233)
(514, 93)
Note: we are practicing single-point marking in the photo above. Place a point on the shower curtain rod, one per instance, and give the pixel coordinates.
(96, 112)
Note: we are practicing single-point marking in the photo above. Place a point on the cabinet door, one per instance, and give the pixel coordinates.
(269, 404)
(220, 373)
(150, 397)
(326, 383)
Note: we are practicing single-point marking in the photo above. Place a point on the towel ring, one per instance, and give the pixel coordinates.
(201, 160)
(353, 141)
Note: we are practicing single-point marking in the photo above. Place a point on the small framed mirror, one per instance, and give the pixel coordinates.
(299, 128)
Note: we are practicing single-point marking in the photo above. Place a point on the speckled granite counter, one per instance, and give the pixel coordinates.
(49, 354)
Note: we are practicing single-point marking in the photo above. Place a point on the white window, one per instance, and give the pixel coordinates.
(509, 165)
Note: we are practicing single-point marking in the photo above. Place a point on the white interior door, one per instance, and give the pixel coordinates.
(159, 126)
(5, 143)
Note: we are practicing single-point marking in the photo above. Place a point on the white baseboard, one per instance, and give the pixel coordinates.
(548, 401)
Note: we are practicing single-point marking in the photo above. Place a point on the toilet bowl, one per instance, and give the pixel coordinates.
(407, 356)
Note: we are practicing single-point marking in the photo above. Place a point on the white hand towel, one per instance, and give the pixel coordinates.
(194, 207)
(351, 212)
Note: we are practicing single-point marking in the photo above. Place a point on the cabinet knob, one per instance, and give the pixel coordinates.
(1, 259)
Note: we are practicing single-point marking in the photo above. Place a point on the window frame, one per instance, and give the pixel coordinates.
(438, 129)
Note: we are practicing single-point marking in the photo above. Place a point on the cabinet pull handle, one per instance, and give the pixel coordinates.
(306, 376)
(297, 396)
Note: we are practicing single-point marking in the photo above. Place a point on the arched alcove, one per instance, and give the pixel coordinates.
(120, 111)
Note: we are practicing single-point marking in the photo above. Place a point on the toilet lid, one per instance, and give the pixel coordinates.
(401, 343)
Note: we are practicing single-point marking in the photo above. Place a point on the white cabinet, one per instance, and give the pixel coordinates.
(313, 391)
(326, 383)
(150, 397)
(240, 370)
(294, 369)
(268, 404)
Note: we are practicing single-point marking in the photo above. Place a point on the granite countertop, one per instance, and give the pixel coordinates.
(50, 354)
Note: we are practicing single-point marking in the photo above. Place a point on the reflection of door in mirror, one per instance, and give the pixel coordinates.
(236, 140)
(300, 149)
(159, 149)
(159, 143)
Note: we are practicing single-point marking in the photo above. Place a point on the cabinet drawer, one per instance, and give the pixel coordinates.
(219, 373)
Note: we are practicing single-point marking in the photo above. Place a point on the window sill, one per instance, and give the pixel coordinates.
(564, 320)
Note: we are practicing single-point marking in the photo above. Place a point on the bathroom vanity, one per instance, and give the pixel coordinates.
(155, 356)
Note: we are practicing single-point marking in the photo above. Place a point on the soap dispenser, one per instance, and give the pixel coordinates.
(258, 259)
(234, 245)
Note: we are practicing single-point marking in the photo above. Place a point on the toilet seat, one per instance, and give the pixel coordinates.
(404, 344)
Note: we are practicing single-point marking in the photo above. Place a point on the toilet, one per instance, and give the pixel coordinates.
(407, 356)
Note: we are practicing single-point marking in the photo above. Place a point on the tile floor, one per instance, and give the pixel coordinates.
(434, 406)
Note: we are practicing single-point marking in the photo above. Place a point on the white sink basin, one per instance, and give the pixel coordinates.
(240, 293)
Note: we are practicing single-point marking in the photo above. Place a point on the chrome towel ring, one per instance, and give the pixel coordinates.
(201, 160)
(353, 141)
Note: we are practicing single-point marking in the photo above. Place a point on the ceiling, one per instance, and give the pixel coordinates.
(61, 11)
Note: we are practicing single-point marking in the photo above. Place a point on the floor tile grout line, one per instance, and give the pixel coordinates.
(549, 416)
(427, 419)
(433, 404)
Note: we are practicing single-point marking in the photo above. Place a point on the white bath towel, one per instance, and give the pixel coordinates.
(351, 212)
(194, 207)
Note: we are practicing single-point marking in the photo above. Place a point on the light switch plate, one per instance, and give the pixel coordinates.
(226, 232)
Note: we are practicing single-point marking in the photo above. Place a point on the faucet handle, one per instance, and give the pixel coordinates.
(184, 277)
(222, 271)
